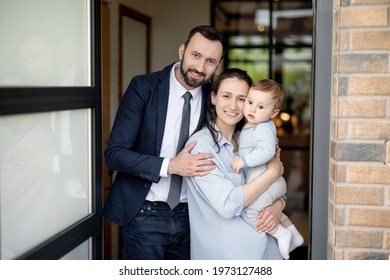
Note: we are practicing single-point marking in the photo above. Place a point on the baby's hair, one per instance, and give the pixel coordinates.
(273, 87)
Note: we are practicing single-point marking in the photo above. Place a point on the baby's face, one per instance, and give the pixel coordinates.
(259, 107)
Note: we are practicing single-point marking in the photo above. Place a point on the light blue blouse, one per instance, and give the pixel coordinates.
(215, 205)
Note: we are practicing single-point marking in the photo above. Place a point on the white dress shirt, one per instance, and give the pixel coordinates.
(159, 191)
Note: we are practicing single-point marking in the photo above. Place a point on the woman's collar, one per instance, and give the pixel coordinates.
(222, 140)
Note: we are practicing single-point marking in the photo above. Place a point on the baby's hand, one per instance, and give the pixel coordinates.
(237, 164)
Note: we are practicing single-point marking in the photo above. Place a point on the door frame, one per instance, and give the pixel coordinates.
(320, 143)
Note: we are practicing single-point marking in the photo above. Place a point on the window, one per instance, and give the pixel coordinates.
(50, 149)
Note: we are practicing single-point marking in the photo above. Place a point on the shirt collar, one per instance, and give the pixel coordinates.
(222, 139)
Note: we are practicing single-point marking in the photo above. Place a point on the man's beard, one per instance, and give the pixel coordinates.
(192, 82)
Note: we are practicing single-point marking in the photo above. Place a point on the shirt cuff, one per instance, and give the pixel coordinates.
(164, 168)
(237, 200)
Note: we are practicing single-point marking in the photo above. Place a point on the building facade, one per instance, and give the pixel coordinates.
(359, 191)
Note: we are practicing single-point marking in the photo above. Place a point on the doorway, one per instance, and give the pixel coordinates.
(274, 39)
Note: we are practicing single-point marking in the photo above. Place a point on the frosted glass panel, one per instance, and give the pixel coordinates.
(81, 252)
(45, 43)
(45, 176)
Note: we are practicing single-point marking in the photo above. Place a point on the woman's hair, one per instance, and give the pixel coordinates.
(211, 112)
(270, 86)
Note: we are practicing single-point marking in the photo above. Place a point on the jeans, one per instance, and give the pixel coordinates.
(157, 233)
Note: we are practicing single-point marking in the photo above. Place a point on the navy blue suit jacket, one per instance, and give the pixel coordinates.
(135, 142)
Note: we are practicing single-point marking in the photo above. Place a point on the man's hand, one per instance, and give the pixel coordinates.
(269, 217)
(237, 164)
(186, 164)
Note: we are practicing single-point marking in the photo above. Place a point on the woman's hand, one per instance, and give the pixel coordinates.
(257, 186)
(269, 217)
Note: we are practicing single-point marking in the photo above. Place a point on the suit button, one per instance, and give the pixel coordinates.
(147, 185)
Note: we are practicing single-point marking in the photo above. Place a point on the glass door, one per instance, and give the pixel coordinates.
(50, 125)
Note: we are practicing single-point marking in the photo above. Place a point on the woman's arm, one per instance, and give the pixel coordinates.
(257, 186)
(223, 190)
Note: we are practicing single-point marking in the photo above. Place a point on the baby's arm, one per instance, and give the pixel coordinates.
(237, 164)
(264, 149)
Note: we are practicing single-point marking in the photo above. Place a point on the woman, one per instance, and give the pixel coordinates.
(216, 201)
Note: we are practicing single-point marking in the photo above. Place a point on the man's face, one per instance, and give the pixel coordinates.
(199, 61)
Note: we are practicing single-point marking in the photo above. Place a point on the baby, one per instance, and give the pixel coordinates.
(257, 146)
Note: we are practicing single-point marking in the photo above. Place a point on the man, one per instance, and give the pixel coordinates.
(142, 147)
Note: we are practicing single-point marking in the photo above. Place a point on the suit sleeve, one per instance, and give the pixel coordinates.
(127, 150)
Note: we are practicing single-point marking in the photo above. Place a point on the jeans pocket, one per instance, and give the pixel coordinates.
(142, 213)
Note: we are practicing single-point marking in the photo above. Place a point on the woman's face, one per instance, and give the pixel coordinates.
(229, 102)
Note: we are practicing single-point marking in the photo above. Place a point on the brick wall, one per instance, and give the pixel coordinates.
(359, 202)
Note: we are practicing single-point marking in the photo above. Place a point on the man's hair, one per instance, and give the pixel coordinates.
(207, 31)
